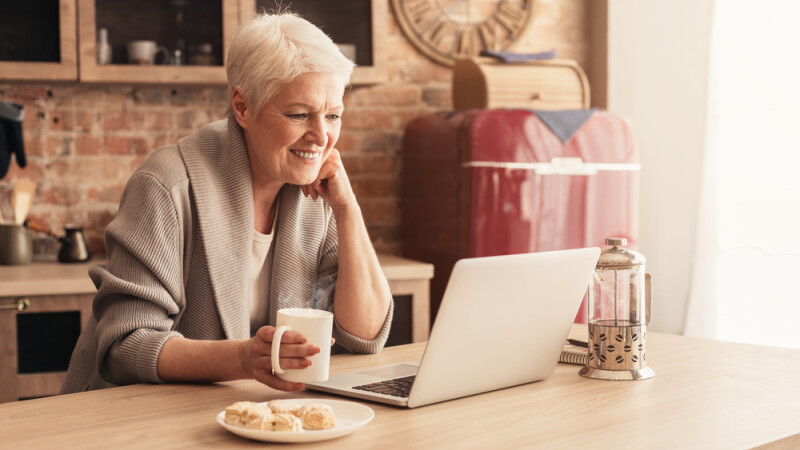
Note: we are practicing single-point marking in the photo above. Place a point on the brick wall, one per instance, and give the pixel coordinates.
(84, 141)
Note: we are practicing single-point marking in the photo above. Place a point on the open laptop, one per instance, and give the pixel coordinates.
(502, 322)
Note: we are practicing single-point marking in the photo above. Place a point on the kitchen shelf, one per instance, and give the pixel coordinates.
(44, 31)
(356, 22)
(92, 16)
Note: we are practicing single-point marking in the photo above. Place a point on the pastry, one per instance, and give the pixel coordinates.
(245, 413)
(316, 416)
(283, 406)
(280, 422)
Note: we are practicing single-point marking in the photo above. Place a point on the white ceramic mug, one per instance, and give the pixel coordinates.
(316, 326)
(144, 52)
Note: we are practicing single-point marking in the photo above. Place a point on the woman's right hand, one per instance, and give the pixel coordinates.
(256, 358)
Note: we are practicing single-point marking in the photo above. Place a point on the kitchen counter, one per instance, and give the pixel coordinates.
(56, 289)
(53, 278)
(46, 278)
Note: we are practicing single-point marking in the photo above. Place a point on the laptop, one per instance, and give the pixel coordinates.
(502, 322)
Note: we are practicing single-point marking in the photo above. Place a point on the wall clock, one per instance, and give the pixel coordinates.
(447, 30)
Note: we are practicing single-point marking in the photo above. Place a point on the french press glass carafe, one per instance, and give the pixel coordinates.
(619, 311)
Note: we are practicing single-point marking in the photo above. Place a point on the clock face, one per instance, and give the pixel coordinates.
(447, 30)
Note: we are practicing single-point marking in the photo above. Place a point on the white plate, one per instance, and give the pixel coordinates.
(349, 417)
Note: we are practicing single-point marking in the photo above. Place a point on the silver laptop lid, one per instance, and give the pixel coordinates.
(502, 322)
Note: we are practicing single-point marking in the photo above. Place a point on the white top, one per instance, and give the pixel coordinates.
(260, 269)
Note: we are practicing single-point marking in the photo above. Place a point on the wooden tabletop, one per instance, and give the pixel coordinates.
(53, 278)
(706, 394)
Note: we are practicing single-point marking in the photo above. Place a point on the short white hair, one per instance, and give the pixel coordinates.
(273, 49)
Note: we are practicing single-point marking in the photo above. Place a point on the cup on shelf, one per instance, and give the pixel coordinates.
(144, 52)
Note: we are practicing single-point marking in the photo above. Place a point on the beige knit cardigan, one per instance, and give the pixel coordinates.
(177, 261)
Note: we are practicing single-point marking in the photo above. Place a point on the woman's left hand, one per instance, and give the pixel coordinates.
(332, 183)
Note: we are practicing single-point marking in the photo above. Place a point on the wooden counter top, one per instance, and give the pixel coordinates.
(706, 394)
(52, 278)
(46, 278)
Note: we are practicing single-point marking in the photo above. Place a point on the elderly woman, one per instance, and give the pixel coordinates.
(247, 216)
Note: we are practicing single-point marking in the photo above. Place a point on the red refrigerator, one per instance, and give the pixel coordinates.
(494, 182)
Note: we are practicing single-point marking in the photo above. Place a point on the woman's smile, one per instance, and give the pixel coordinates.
(306, 155)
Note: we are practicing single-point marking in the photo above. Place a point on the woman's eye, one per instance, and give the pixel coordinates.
(333, 116)
(298, 116)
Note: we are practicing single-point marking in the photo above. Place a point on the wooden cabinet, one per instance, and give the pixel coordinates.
(354, 22)
(36, 342)
(38, 40)
(74, 36)
(162, 22)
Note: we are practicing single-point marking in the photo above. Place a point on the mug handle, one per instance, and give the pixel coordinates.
(276, 345)
(164, 51)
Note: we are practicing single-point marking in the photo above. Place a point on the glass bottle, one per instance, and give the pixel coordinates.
(103, 47)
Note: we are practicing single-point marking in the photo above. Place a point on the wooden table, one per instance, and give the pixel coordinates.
(706, 394)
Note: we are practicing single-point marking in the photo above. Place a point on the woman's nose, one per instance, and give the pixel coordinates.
(317, 134)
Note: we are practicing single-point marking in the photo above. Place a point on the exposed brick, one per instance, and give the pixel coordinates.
(160, 140)
(88, 145)
(375, 187)
(88, 97)
(105, 194)
(60, 120)
(348, 142)
(33, 171)
(141, 121)
(67, 195)
(192, 119)
(418, 72)
(74, 217)
(381, 141)
(98, 219)
(34, 145)
(120, 145)
(134, 164)
(380, 211)
(96, 243)
(372, 164)
(440, 97)
(388, 95)
(78, 169)
(405, 117)
(59, 145)
(70, 120)
(400, 49)
(367, 119)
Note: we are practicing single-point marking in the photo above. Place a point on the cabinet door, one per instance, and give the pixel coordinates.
(35, 344)
(37, 40)
(358, 23)
(205, 23)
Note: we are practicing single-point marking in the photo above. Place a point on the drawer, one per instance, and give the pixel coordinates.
(36, 343)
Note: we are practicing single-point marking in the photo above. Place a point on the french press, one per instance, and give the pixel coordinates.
(619, 311)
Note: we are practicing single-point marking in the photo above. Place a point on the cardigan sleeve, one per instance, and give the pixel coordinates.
(328, 270)
(140, 289)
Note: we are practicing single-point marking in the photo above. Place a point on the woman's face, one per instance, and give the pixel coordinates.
(295, 131)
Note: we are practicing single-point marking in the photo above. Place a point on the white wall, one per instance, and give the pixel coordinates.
(657, 75)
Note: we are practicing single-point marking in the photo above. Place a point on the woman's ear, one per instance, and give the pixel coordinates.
(241, 107)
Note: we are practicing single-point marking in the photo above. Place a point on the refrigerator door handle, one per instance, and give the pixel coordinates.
(558, 166)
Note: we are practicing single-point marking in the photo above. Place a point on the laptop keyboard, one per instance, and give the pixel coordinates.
(396, 387)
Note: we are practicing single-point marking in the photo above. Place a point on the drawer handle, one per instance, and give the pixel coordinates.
(20, 304)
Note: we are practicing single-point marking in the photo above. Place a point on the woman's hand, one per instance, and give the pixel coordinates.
(255, 355)
(332, 183)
